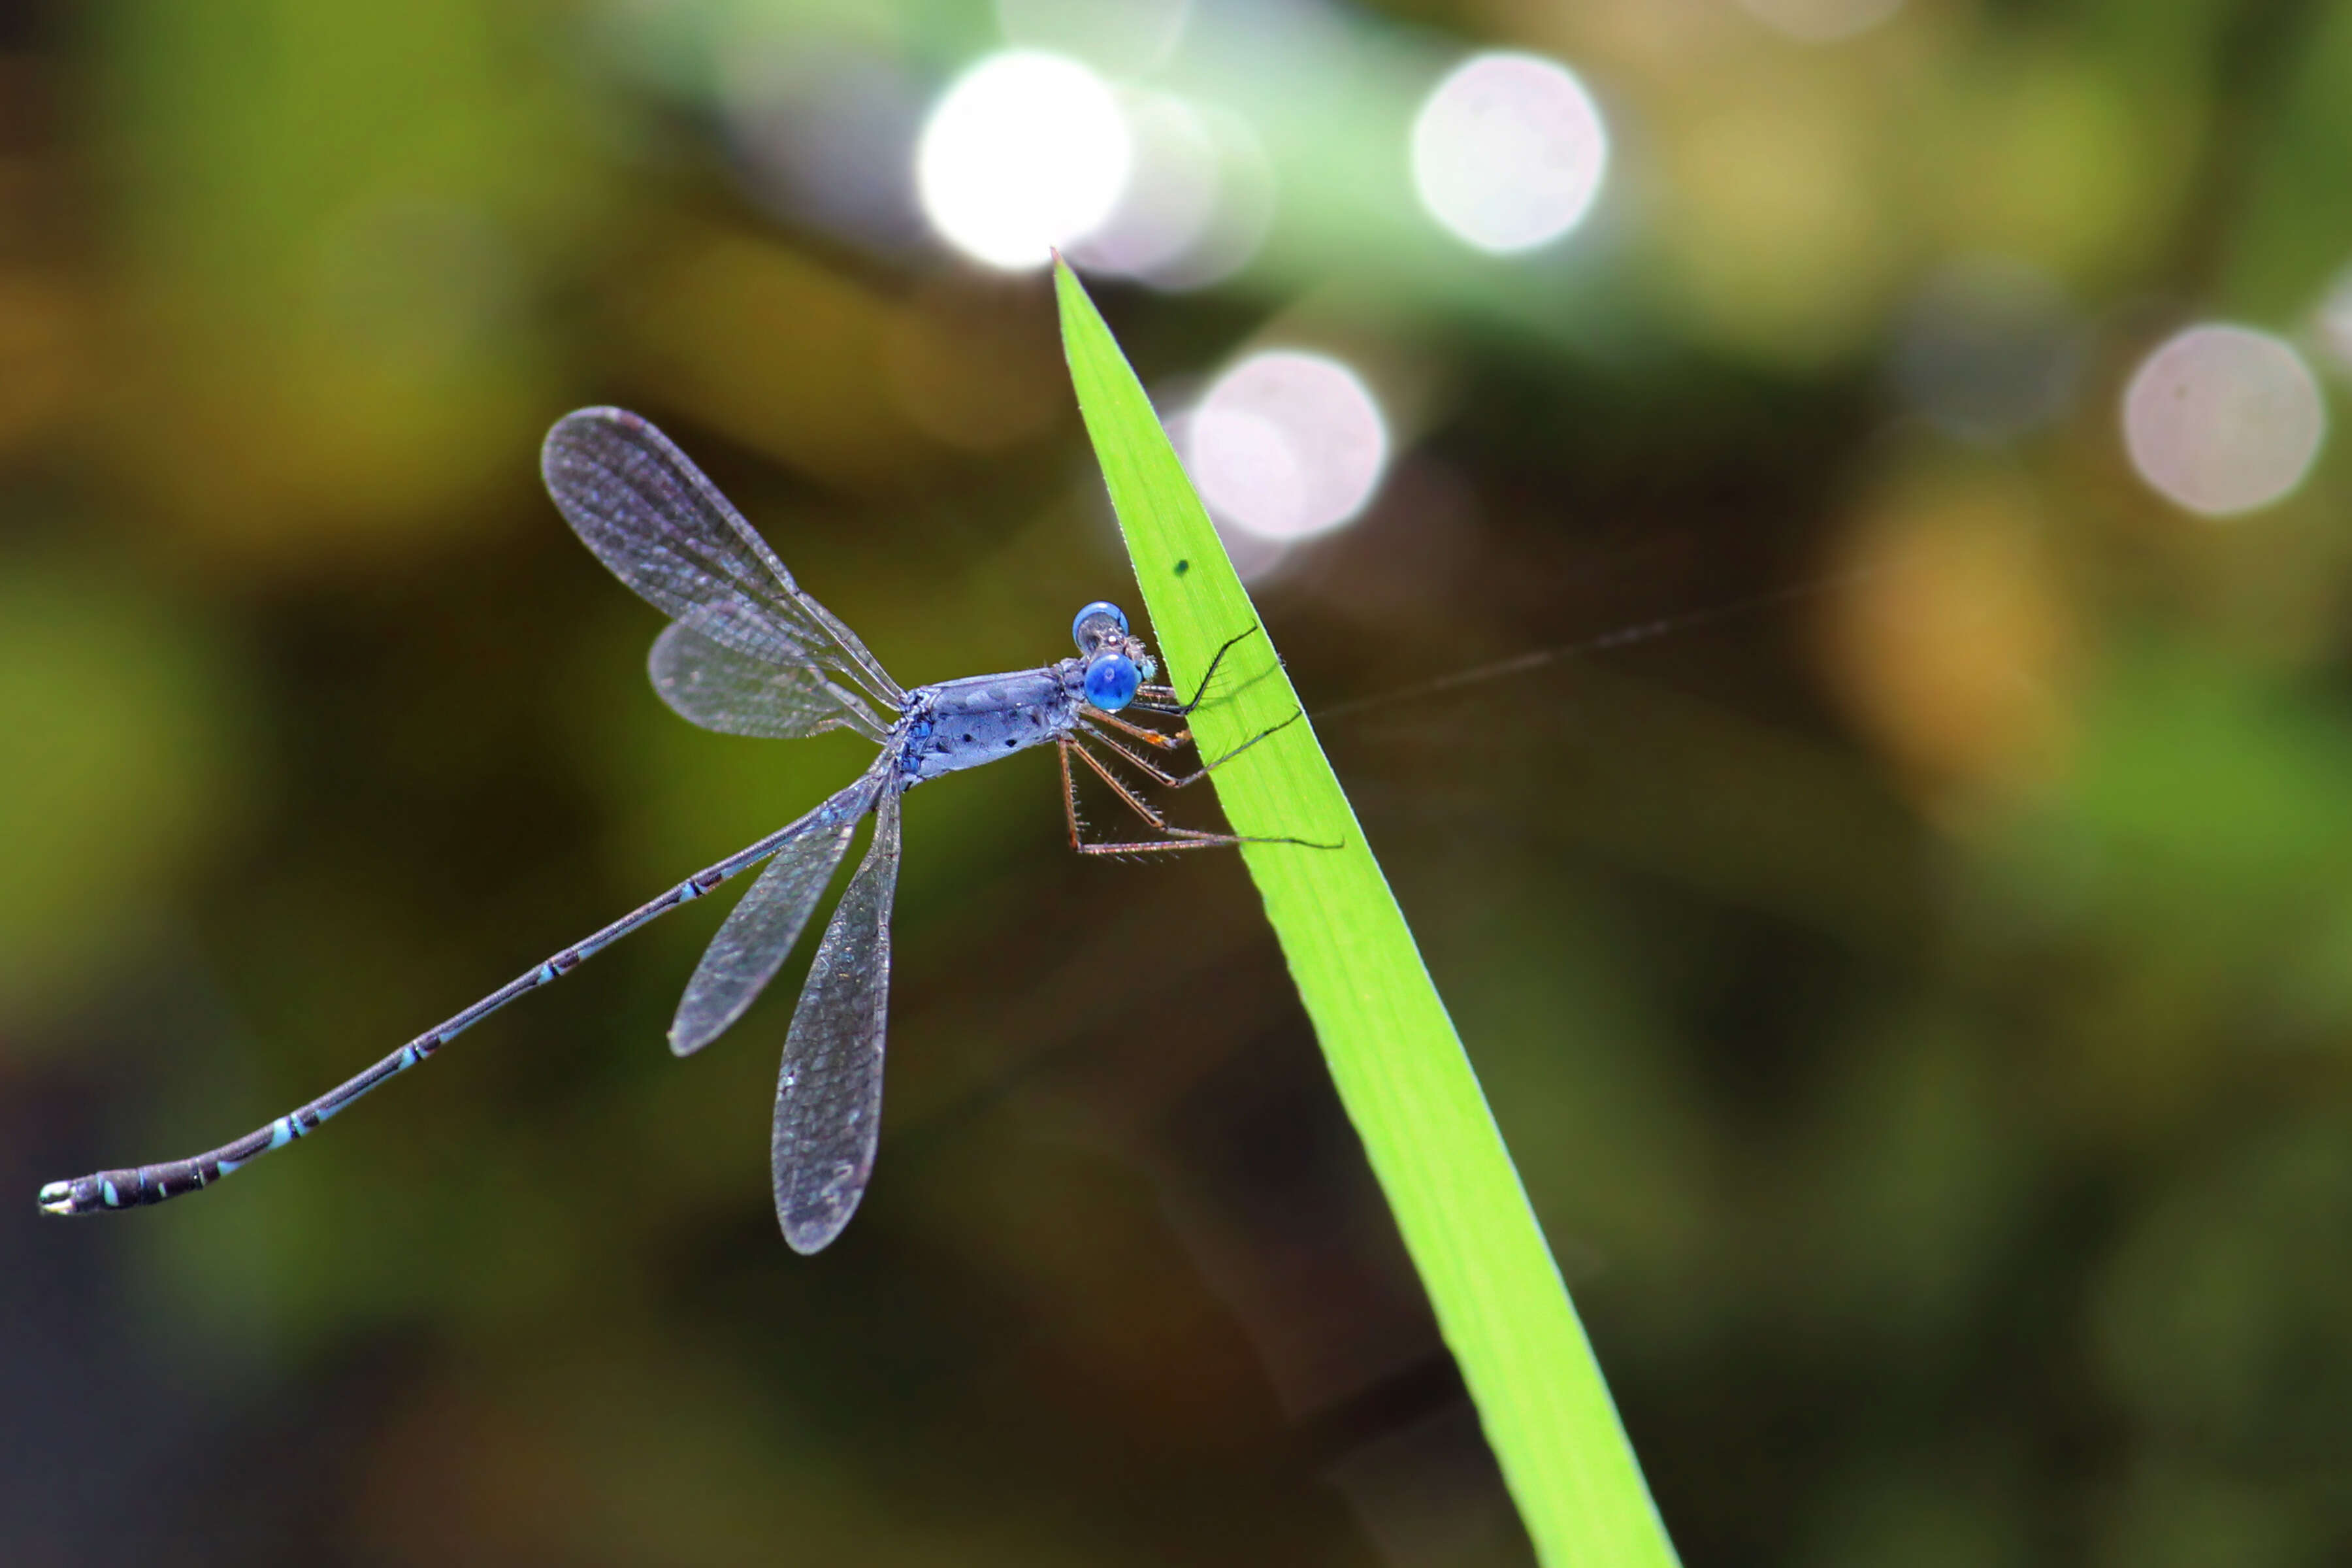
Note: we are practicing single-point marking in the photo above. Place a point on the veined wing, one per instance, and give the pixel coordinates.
(665, 529)
(762, 928)
(829, 1099)
(720, 688)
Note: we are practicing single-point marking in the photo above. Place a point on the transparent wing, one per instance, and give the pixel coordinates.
(718, 687)
(649, 514)
(829, 1099)
(762, 929)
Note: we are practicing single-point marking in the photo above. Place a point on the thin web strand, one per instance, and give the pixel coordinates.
(1642, 631)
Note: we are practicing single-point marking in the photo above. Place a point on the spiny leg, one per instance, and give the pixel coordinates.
(1197, 774)
(1182, 838)
(1162, 699)
(1159, 737)
(1178, 837)
(1135, 760)
(1135, 802)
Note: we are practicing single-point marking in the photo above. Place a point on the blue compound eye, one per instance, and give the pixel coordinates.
(1100, 610)
(1111, 680)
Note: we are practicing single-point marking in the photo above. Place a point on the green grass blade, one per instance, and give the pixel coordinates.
(1394, 1054)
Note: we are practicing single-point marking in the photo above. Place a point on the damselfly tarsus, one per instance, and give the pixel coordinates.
(749, 653)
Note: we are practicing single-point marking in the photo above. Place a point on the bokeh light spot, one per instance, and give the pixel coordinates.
(1024, 152)
(1285, 445)
(1951, 638)
(1238, 220)
(2223, 419)
(1508, 152)
(1199, 198)
(1987, 350)
(1171, 197)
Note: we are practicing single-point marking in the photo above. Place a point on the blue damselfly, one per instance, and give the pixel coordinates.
(749, 653)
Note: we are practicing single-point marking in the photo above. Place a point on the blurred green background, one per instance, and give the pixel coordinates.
(1920, 1003)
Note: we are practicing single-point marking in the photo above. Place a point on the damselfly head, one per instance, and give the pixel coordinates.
(1099, 623)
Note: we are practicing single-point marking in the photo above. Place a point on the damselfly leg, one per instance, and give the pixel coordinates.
(1090, 732)
(1160, 775)
(1162, 699)
(1177, 838)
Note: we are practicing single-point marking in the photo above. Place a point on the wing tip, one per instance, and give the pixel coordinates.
(810, 1233)
(813, 1223)
(561, 435)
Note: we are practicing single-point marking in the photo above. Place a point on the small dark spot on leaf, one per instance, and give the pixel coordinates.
(1182, 567)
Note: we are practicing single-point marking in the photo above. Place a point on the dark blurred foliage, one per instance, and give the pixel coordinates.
(1920, 1006)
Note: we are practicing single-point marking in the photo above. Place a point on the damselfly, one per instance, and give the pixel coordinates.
(749, 653)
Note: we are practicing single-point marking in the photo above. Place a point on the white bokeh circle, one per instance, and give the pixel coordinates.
(1508, 152)
(2223, 419)
(1286, 444)
(1024, 152)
